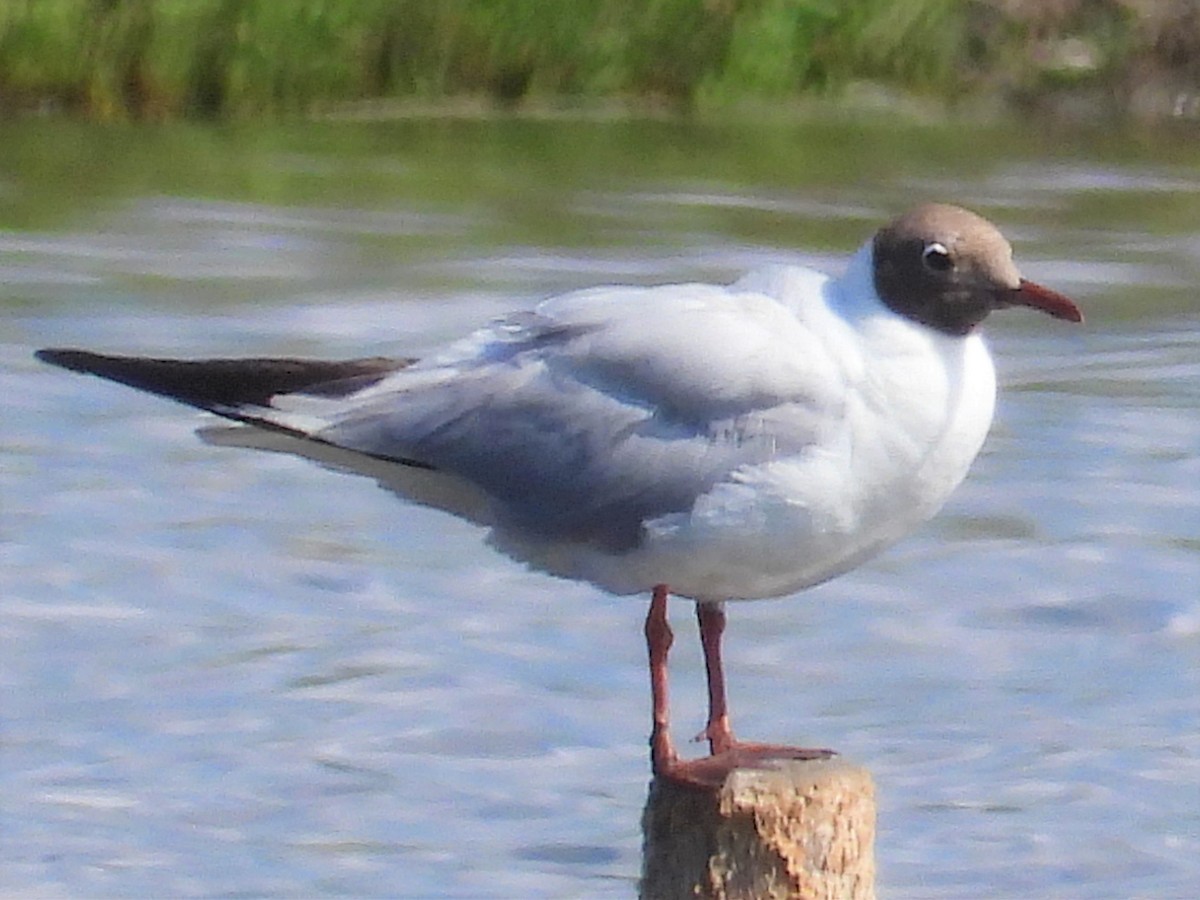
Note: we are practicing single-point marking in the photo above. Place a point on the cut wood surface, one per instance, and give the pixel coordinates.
(799, 829)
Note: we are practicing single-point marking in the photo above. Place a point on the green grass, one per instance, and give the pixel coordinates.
(156, 59)
(116, 59)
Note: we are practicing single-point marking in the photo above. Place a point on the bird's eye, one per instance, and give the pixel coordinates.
(936, 257)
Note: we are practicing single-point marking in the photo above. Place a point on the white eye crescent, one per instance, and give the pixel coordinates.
(936, 257)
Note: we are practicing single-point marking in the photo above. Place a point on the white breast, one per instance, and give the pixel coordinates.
(918, 406)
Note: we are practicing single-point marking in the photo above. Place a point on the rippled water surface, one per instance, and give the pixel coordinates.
(231, 674)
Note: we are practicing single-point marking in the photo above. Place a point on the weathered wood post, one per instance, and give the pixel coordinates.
(803, 830)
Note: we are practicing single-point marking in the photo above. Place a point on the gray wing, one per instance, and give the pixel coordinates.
(574, 442)
(580, 422)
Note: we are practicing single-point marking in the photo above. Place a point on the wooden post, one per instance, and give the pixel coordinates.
(803, 830)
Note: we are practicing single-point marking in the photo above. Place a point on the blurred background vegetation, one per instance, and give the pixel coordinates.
(159, 59)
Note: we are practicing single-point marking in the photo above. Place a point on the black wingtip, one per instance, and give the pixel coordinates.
(223, 386)
(68, 358)
(215, 383)
(156, 376)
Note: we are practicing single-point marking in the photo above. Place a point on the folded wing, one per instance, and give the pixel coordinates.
(578, 422)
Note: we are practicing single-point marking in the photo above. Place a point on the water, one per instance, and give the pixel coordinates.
(229, 674)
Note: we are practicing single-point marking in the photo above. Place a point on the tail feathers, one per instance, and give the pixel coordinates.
(222, 385)
(407, 478)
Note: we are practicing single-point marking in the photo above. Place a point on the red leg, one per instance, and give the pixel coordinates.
(658, 642)
(726, 753)
(711, 617)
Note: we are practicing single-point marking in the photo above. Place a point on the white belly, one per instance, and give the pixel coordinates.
(913, 424)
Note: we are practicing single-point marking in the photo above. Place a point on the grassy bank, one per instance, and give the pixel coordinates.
(117, 59)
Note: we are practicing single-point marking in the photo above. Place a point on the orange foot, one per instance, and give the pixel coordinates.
(710, 772)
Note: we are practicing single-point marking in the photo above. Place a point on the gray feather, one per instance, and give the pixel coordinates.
(571, 451)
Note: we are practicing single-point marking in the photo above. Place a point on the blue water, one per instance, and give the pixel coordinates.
(233, 674)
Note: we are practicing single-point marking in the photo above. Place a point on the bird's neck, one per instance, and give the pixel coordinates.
(855, 295)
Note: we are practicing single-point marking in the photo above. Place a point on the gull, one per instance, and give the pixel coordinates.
(714, 442)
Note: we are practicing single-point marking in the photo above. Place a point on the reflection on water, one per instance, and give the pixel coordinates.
(230, 673)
